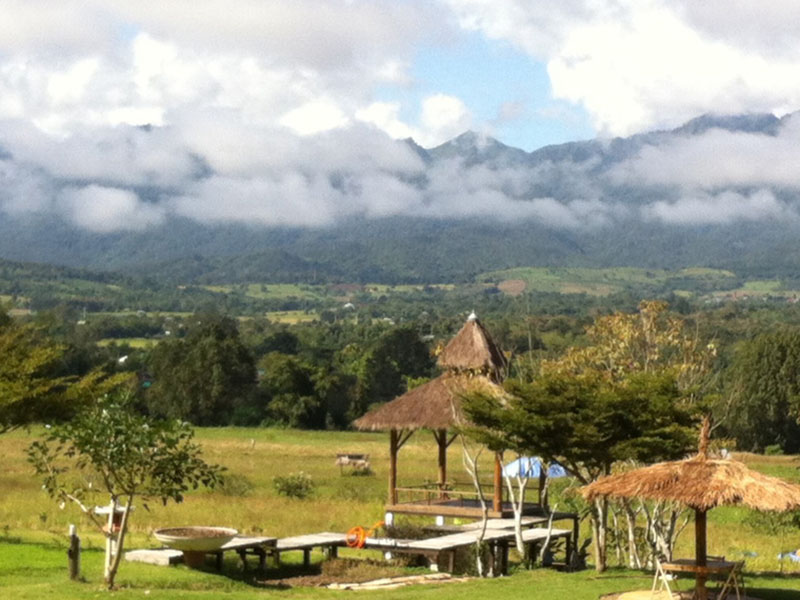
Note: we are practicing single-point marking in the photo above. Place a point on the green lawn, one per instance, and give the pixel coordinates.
(33, 529)
(602, 282)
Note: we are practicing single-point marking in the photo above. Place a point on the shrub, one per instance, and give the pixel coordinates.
(773, 450)
(235, 484)
(294, 485)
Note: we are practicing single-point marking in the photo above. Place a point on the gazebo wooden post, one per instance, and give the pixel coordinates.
(394, 437)
(497, 502)
(441, 441)
(700, 553)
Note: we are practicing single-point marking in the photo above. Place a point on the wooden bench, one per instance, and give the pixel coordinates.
(357, 461)
(328, 542)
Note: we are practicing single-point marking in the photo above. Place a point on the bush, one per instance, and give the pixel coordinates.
(773, 450)
(294, 485)
(235, 484)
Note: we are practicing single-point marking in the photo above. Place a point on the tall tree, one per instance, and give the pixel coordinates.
(33, 384)
(763, 393)
(204, 376)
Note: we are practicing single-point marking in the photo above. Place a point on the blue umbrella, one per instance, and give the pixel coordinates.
(530, 467)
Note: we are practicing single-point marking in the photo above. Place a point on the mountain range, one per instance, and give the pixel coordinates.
(719, 191)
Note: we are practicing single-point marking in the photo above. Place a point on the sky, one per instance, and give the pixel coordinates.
(260, 101)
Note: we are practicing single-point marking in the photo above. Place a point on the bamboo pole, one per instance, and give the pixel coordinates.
(393, 447)
(441, 439)
(497, 501)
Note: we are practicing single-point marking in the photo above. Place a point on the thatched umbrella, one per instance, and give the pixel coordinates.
(700, 483)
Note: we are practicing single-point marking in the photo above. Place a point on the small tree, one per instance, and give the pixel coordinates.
(109, 449)
(587, 425)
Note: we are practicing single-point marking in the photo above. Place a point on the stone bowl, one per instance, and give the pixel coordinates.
(195, 539)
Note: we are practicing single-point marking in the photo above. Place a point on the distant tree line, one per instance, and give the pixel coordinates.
(216, 370)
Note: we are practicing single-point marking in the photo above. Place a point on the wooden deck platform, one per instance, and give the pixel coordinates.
(464, 508)
(441, 550)
(490, 524)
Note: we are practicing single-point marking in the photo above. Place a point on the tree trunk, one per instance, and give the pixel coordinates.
(517, 504)
(115, 559)
(634, 560)
(599, 530)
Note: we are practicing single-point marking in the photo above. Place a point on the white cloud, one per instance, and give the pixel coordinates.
(443, 117)
(639, 64)
(719, 158)
(720, 209)
(314, 117)
(103, 210)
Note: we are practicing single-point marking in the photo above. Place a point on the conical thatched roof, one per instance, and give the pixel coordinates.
(433, 405)
(700, 483)
(472, 349)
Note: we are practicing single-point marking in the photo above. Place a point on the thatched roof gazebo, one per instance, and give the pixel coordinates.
(472, 363)
(701, 483)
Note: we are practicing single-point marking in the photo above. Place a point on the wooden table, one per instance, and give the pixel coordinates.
(731, 570)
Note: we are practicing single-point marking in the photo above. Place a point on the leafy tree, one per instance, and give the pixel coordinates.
(646, 363)
(588, 425)
(764, 392)
(203, 377)
(383, 369)
(109, 449)
(33, 384)
(288, 387)
(651, 340)
(27, 389)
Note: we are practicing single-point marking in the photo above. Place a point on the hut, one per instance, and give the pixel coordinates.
(701, 483)
(472, 362)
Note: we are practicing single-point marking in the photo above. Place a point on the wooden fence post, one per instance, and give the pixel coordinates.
(74, 554)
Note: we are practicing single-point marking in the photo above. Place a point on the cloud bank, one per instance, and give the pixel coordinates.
(118, 115)
(214, 168)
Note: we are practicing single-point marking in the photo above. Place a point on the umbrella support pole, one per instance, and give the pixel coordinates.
(701, 593)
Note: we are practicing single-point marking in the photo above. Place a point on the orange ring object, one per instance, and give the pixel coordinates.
(355, 537)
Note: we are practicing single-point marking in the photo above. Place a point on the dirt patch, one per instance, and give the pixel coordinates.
(339, 570)
(512, 287)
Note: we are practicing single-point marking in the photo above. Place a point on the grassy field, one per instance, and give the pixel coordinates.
(273, 291)
(132, 342)
(601, 282)
(33, 528)
(291, 317)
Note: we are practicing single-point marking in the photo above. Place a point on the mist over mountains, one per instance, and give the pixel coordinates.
(216, 200)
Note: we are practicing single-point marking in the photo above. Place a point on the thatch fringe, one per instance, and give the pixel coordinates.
(701, 484)
(432, 405)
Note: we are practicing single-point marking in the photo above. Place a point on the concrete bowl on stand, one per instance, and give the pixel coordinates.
(195, 542)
